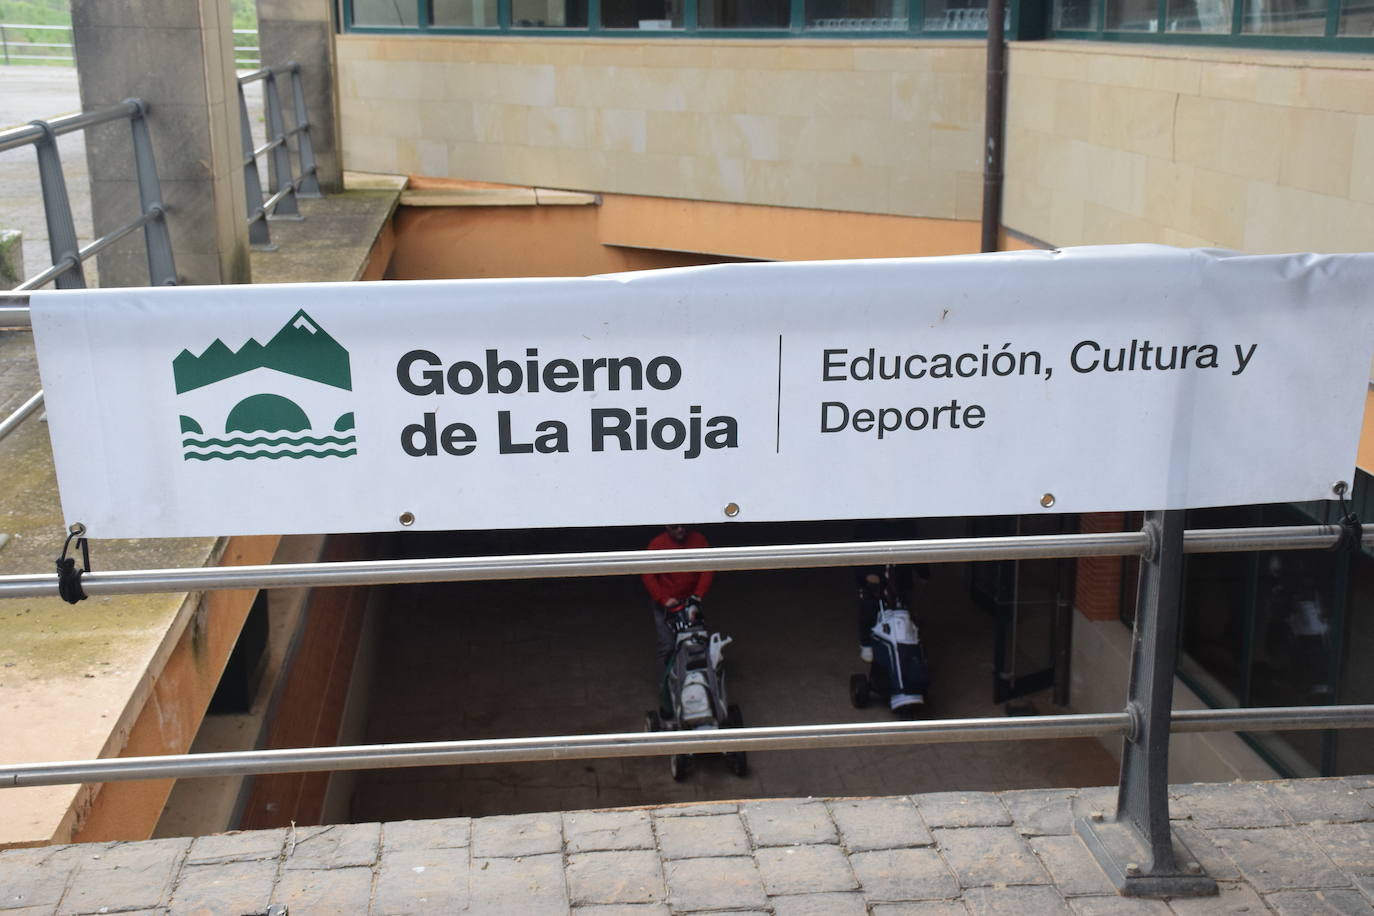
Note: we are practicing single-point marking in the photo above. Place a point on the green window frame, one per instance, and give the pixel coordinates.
(1321, 25)
(1315, 25)
(949, 19)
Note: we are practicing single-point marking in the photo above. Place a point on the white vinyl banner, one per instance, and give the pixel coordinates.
(1095, 379)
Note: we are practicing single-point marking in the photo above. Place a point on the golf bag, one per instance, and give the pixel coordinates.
(694, 694)
(898, 670)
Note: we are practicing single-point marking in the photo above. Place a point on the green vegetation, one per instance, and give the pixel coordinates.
(36, 12)
(245, 14)
(23, 43)
(58, 12)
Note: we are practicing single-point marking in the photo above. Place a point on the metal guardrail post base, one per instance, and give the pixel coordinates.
(1127, 861)
(1137, 848)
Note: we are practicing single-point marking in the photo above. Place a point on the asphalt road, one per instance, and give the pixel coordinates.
(40, 93)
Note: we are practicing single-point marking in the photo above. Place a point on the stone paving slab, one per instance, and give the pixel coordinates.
(1307, 848)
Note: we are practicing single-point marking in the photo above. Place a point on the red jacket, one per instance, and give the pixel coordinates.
(679, 585)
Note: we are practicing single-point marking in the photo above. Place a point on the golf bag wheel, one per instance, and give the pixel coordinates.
(859, 693)
(652, 721)
(680, 765)
(737, 761)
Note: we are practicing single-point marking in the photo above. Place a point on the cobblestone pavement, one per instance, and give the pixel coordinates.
(1288, 847)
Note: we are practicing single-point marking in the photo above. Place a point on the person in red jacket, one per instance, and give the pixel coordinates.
(670, 591)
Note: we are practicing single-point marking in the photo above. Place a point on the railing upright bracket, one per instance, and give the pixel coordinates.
(310, 182)
(1136, 847)
(279, 156)
(57, 208)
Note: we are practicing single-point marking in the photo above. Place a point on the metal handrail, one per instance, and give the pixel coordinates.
(637, 562)
(7, 57)
(8, 425)
(652, 744)
(67, 255)
(284, 185)
(1139, 832)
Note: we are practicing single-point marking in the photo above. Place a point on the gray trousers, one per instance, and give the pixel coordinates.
(665, 636)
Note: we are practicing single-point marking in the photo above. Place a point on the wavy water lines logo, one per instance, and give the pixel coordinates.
(288, 398)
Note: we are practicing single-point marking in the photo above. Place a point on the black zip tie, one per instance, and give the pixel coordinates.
(68, 573)
(1351, 538)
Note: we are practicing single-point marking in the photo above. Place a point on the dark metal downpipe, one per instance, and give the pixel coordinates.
(995, 121)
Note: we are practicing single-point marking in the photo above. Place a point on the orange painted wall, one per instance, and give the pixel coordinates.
(170, 718)
(447, 242)
(1365, 458)
(310, 708)
(641, 233)
(781, 233)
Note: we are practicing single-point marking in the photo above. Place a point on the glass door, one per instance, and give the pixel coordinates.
(1029, 601)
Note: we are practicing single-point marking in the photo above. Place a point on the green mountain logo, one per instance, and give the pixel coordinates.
(314, 369)
(301, 348)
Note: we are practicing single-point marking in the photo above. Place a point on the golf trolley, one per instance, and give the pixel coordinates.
(693, 695)
(898, 670)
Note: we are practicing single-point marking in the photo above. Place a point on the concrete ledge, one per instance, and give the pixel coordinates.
(334, 242)
(497, 197)
(373, 181)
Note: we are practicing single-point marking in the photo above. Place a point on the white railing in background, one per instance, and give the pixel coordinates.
(15, 49)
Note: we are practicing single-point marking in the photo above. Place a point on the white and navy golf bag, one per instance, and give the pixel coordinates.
(899, 659)
(890, 642)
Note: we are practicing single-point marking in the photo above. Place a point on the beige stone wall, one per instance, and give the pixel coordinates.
(878, 127)
(1254, 151)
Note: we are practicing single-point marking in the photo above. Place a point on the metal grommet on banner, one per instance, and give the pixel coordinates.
(1352, 532)
(68, 573)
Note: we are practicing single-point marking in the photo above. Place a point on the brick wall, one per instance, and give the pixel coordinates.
(1097, 590)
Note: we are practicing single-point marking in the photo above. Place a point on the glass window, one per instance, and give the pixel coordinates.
(1354, 750)
(641, 14)
(1132, 15)
(463, 14)
(856, 15)
(1075, 14)
(1285, 17)
(548, 14)
(744, 14)
(1292, 659)
(386, 12)
(1214, 624)
(1357, 17)
(1212, 16)
(957, 15)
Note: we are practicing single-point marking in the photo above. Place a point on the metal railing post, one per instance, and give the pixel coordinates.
(279, 165)
(1137, 848)
(305, 151)
(162, 270)
(259, 235)
(57, 209)
(5, 43)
